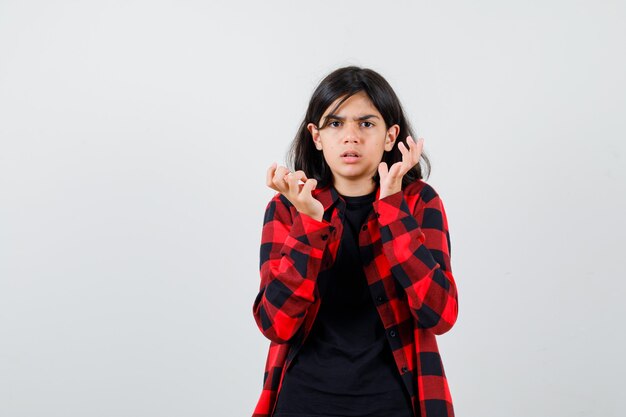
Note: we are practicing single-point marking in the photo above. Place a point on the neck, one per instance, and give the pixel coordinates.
(351, 189)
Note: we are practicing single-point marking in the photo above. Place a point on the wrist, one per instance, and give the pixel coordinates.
(386, 192)
(314, 216)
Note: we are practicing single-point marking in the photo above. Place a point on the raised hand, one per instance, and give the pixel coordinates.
(300, 195)
(391, 179)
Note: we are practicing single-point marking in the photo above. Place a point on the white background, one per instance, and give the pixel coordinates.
(134, 141)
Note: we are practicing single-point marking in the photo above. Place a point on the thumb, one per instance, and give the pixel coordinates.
(309, 185)
(382, 170)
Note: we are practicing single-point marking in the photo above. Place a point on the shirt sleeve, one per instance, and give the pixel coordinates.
(292, 246)
(417, 245)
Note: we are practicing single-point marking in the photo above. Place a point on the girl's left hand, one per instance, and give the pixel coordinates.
(391, 180)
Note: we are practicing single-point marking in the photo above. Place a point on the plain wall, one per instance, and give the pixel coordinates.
(134, 141)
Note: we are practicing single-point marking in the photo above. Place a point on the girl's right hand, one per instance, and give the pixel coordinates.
(300, 195)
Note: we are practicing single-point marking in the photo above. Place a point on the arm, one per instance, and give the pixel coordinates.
(291, 257)
(417, 246)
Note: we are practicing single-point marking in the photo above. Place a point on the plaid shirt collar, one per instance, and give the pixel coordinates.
(329, 196)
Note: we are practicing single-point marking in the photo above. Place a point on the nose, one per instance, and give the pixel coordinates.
(352, 133)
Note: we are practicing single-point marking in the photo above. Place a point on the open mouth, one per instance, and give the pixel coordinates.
(350, 157)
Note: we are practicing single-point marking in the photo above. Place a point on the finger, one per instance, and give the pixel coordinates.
(382, 170)
(270, 174)
(273, 183)
(279, 178)
(292, 183)
(406, 158)
(396, 171)
(419, 146)
(404, 150)
(419, 142)
(415, 149)
(280, 172)
(307, 188)
(300, 175)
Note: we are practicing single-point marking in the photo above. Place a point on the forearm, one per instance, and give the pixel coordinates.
(288, 275)
(420, 259)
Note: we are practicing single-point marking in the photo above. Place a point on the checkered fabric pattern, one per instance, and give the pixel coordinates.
(405, 248)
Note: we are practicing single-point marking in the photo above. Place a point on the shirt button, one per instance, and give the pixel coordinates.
(405, 369)
(364, 228)
(392, 333)
(377, 215)
(379, 298)
(324, 236)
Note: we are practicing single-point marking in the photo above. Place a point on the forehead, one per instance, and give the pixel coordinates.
(357, 104)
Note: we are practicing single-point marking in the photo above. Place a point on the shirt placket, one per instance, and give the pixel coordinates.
(381, 301)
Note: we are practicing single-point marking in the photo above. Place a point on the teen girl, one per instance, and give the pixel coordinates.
(355, 264)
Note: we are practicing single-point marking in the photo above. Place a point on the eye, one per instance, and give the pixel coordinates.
(334, 123)
(368, 124)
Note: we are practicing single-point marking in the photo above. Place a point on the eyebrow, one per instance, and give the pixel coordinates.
(365, 117)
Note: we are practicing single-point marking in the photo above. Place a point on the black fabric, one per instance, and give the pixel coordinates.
(345, 367)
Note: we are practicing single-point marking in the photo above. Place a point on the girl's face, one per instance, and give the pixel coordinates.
(353, 142)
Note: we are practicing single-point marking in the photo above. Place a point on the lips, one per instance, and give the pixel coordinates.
(350, 157)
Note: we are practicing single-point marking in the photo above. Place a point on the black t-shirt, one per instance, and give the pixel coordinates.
(345, 367)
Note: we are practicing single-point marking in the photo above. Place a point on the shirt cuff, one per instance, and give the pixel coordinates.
(310, 231)
(391, 208)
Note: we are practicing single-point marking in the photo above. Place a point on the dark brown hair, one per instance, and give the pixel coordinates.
(344, 83)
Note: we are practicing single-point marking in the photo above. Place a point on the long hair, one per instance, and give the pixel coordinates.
(344, 83)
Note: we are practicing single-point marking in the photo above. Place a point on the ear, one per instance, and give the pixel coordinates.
(315, 133)
(391, 136)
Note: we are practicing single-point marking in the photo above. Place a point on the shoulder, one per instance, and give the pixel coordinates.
(280, 199)
(420, 190)
(278, 208)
